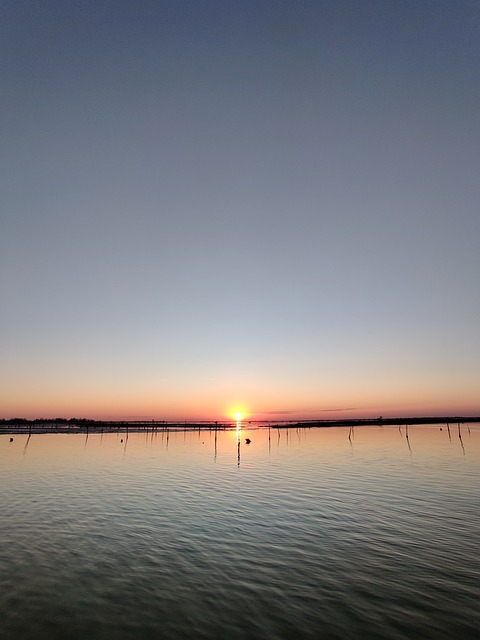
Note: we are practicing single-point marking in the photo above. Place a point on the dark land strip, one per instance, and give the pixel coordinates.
(82, 425)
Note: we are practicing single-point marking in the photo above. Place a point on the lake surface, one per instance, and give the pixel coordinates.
(309, 533)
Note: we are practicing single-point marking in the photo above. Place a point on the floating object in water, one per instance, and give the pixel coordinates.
(121, 440)
(11, 439)
(247, 440)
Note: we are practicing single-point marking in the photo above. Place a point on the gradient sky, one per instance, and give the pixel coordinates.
(217, 204)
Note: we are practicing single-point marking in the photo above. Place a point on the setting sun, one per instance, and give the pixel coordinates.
(237, 413)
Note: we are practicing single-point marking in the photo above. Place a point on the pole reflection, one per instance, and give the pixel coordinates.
(239, 439)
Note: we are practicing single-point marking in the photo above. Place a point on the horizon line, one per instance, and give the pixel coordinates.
(192, 421)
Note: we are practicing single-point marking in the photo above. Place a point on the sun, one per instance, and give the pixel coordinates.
(237, 413)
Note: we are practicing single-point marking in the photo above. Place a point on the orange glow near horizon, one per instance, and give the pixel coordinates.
(237, 413)
(23, 399)
(120, 411)
(107, 394)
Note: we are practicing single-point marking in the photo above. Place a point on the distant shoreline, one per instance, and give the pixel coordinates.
(82, 425)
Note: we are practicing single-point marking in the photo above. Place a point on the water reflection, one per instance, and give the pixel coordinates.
(125, 446)
(319, 543)
(408, 440)
(26, 443)
(218, 440)
(460, 438)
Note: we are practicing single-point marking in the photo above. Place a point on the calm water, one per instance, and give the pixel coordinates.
(319, 533)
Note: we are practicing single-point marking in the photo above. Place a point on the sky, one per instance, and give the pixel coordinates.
(261, 206)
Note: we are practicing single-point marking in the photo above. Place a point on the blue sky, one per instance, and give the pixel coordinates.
(265, 204)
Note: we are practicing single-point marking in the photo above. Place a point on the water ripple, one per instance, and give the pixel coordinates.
(310, 539)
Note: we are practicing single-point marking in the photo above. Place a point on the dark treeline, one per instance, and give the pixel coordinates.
(353, 422)
(46, 420)
(82, 424)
